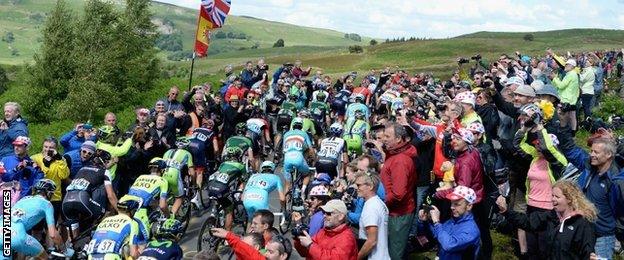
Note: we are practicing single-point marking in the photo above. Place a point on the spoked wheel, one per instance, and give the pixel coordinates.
(206, 239)
(286, 223)
(184, 213)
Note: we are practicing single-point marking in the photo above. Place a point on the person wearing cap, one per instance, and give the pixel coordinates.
(77, 159)
(568, 89)
(468, 100)
(547, 165)
(468, 171)
(373, 223)
(459, 236)
(11, 127)
(142, 119)
(54, 168)
(20, 167)
(72, 140)
(334, 241)
(486, 151)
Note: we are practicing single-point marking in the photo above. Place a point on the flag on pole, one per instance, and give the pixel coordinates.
(212, 14)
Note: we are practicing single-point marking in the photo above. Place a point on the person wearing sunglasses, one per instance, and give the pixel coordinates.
(373, 224)
(76, 159)
(278, 248)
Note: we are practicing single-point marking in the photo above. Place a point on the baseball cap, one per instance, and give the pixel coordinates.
(465, 135)
(514, 80)
(144, 111)
(89, 146)
(335, 206)
(463, 192)
(571, 62)
(525, 90)
(466, 97)
(547, 89)
(22, 140)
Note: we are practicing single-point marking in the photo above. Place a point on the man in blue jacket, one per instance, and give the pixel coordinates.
(11, 127)
(72, 140)
(459, 236)
(19, 166)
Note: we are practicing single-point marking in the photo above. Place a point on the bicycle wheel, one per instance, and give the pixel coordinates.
(206, 239)
(240, 219)
(286, 224)
(184, 213)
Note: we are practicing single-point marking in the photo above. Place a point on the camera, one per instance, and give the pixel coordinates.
(410, 113)
(426, 205)
(29, 163)
(441, 107)
(369, 145)
(462, 60)
(298, 230)
(476, 57)
(350, 195)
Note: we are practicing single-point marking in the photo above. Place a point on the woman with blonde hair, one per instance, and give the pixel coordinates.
(569, 229)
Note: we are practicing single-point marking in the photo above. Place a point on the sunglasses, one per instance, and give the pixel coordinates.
(281, 240)
(87, 152)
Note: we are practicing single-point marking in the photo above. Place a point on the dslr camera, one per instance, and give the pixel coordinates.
(298, 230)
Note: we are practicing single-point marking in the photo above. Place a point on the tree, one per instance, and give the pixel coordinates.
(8, 37)
(373, 42)
(279, 43)
(528, 37)
(54, 66)
(355, 49)
(4, 80)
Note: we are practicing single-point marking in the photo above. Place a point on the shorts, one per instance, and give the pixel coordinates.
(23, 243)
(294, 160)
(255, 143)
(327, 166)
(354, 144)
(77, 203)
(255, 200)
(174, 179)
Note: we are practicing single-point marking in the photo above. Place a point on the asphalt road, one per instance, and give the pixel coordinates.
(189, 241)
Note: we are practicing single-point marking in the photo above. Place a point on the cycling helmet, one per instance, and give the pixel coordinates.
(359, 98)
(319, 191)
(128, 204)
(359, 114)
(106, 133)
(336, 129)
(46, 186)
(183, 142)
(158, 162)
(321, 96)
(267, 165)
(293, 97)
(304, 112)
(297, 123)
(101, 158)
(322, 178)
(169, 229)
(241, 128)
(232, 154)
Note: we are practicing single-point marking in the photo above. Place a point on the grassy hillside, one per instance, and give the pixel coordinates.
(25, 18)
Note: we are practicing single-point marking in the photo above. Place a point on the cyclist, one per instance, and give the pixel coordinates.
(242, 141)
(165, 243)
(230, 171)
(88, 193)
(332, 155)
(119, 236)
(148, 188)
(179, 161)
(29, 211)
(284, 118)
(357, 131)
(308, 124)
(203, 145)
(320, 113)
(259, 186)
(291, 103)
(357, 104)
(296, 143)
(339, 104)
(259, 130)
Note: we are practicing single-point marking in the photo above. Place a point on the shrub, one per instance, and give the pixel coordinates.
(528, 37)
(278, 43)
(373, 42)
(355, 49)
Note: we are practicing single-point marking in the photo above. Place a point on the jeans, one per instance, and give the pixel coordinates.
(481, 212)
(421, 191)
(587, 102)
(604, 246)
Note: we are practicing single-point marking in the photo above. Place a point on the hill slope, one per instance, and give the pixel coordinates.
(25, 19)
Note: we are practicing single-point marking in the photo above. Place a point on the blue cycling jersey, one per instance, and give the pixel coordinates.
(264, 182)
(357, 106)
(162, 249)
(30, 210)
(296, 140)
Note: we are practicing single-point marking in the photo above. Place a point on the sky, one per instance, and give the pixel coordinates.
(432, 19)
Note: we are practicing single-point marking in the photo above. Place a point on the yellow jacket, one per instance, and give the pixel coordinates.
(57, 171)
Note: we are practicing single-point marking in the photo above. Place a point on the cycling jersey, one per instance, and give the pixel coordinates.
(161, 249)
(219, 182)
(319, 111)
(178, 159)
(357, 127)
(315, 93)
(239, 141)
(257, 190)
(25, 214)
(296, 140)
(89, 178)
(86, 194)
(331, 149)
(287, 105)
(148, 187)
(112, 234)
(200, 146)
(357, 106)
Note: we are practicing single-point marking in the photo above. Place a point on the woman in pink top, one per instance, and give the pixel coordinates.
(547, 164)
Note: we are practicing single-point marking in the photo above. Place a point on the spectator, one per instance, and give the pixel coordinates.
(568, 88)
(232, 115)
(72, 140)
(373, 225)
(111, 119)
(54, 168)
(261, 223)
(601, 188)
(162, 134)
(20, 167)
(586, 82)
(399, 176)
(318, 196)
(236, 89)
(298, 72)
(247, 247)
(459, 236)
(171, 102)
(486, 109)
(334, 241)
(278, 248)
(249, 76)
(11, 127)
(570, 227)
(77, 159)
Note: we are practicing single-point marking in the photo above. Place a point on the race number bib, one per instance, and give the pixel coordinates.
(78, 184)
(106, 246)
(220, 177)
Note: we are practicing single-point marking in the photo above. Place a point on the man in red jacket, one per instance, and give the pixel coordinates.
(334, 241)
(399, 177)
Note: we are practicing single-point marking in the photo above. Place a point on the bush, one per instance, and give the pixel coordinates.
(356, 49)
(180, 55)
(610, 104)
(373, 42)
(8, 37)
(169, 42)
(528, 37)
(278, 43)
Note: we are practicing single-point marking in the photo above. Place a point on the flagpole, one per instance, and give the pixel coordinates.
(191, 74)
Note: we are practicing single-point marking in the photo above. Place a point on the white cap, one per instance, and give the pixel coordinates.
(571, 62)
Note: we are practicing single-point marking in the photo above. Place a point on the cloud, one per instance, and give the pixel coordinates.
(433, 19)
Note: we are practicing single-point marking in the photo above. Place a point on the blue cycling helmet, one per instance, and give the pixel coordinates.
(269, 165)
(169, 229)
(336, 129)
(322, 178)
